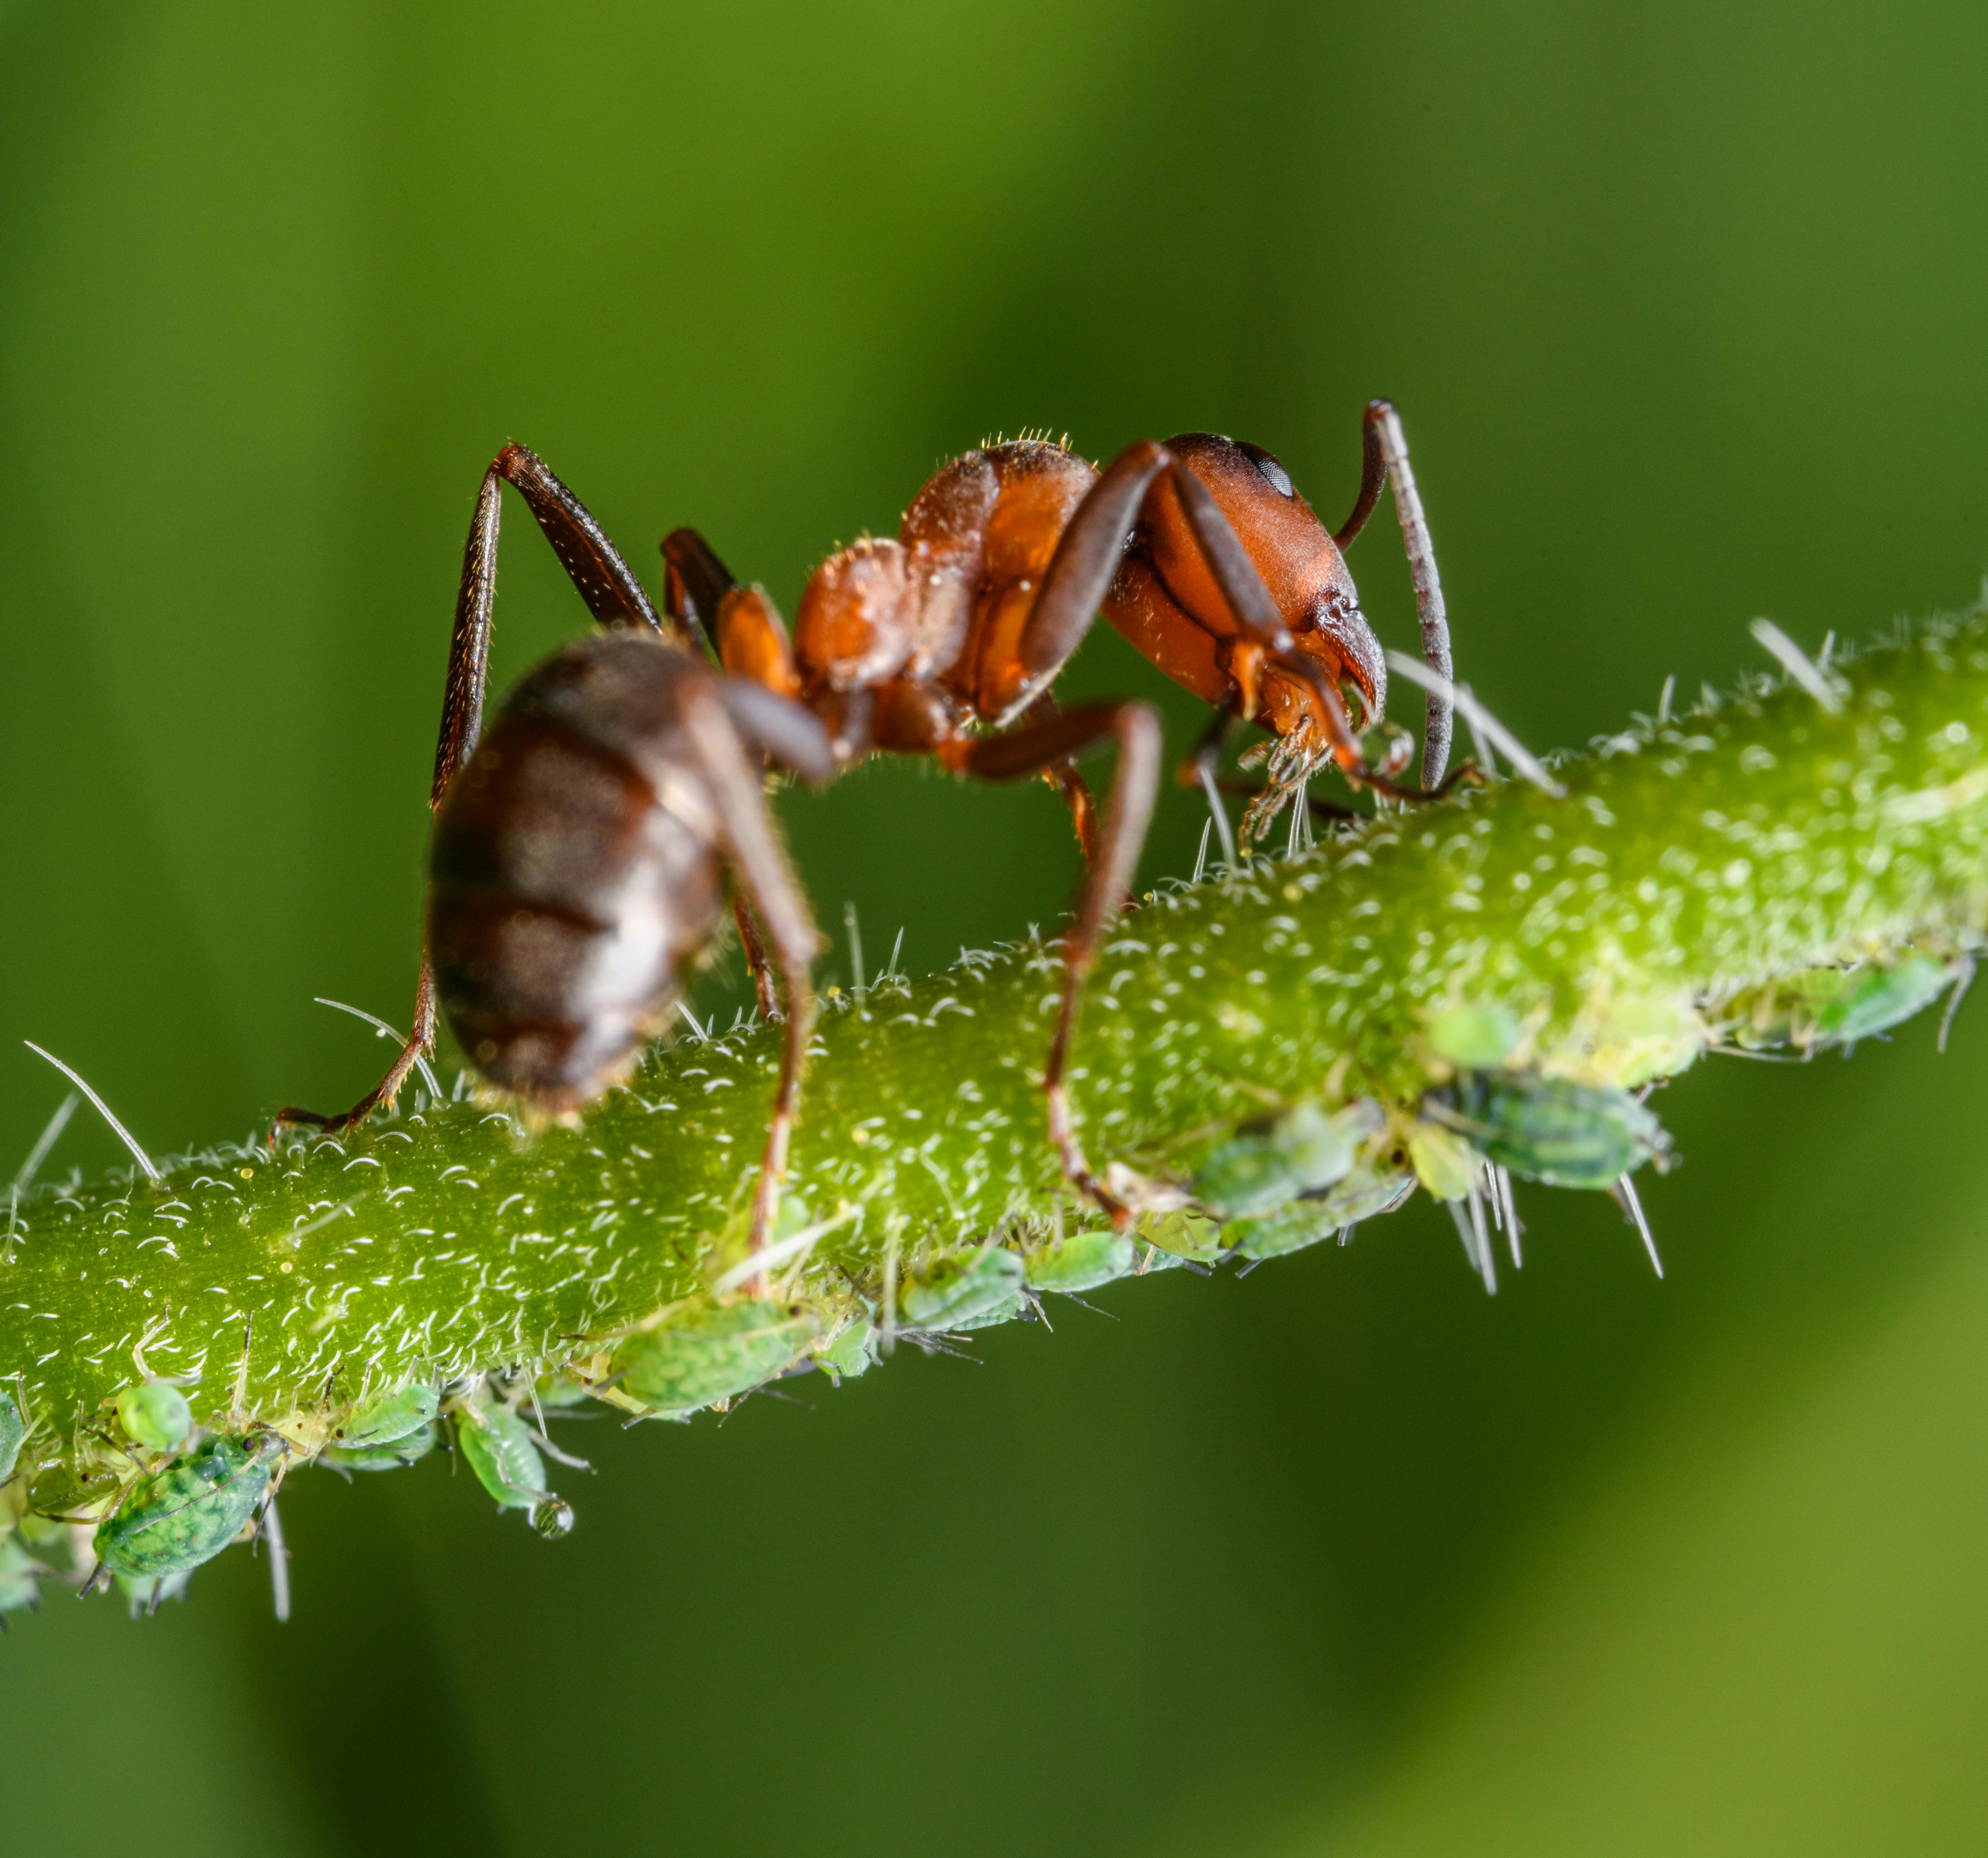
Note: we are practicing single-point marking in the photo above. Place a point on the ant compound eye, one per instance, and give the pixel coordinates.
(1273, 473)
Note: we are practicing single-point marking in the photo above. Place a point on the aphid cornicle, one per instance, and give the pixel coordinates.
(582, 843)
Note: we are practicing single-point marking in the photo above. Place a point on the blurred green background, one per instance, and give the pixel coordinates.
(1683, 308)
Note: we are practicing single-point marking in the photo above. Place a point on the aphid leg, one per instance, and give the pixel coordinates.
(738, 792)
(1128, 809)
(1384, 455)
(612, 596)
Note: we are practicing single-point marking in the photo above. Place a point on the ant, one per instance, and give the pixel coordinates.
(945, 642)
(581, 848)
(582, 845)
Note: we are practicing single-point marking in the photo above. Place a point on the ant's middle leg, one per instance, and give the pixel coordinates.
(1128, 811)
(612, 596)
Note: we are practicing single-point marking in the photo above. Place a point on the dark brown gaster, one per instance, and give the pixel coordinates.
(581, 846)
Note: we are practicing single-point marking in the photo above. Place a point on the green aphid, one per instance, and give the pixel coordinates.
(11, 1433)
(387, 1418)
(1007, 1310)
(956, 1294)
(1475, 1038)
(852, 1352)
(1182, 1237)
(1875, 999)
(18, 1572)
(1265, 1163)
(1361, 1195)
(391, 1456)
(1565, 1134)
(498, 1447)
(1084, 1261)
(156, 1415)
(697, 1354)
(175, 1520)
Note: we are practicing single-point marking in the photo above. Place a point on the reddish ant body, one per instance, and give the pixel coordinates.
(1199, 551)
(577, 854)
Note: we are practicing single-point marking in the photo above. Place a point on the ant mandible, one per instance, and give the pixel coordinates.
(1200, 551)
(581, 844)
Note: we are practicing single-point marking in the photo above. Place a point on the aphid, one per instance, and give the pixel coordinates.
(957, 1294)
(1280, 1158)
(1084, 1261)
(171, 1522)
(499, 1448)
(850, 1352)
(1474, 1037)
(155, 1414)
(945, 640)
(1362, 1195)
(1873, 1000)
(1184, 1235)
(582, 846)
(12, 1430)
(697, 1355)
(1444, 1163)
(387, 1418)
(1566, 1134)
(387, 1454)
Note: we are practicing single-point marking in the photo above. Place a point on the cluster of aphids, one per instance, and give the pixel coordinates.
(176, 1495)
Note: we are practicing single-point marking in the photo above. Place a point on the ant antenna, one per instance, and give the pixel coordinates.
(102, 1110)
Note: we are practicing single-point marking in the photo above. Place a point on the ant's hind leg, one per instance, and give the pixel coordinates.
(1128, 810)
(612, 596)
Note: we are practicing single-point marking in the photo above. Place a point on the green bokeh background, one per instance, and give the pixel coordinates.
(1683, 307)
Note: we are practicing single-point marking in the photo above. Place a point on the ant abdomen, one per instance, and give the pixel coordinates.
(575, 872)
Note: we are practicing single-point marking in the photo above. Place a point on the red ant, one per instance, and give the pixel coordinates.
(578, 852)
(1199, 551)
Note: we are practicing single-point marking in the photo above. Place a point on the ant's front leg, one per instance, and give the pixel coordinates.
(612, 596)
(1128, 810)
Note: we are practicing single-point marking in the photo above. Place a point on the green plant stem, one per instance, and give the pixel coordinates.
(1690, 860)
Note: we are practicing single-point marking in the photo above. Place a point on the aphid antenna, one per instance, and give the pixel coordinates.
(1477, 717)
(1625, 1191)
(1481, 744)
(102, 1110)
(387, 1032)
(1664, 701)
(1798, 665)
(889, 1327)
(1963, 981)
(238, 1416)
(857, 983)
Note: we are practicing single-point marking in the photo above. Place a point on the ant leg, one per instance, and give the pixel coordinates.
(755, 959)
(612, 596)
(1384, 455)
(1128, 810)
(737, 789)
